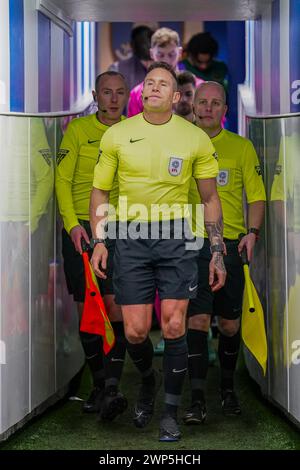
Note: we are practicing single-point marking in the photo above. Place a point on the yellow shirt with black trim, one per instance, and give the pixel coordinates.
(239, 170)
(154, 165)
(75, 163)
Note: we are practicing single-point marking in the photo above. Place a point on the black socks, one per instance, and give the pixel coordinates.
(228, 354)
(198, 362)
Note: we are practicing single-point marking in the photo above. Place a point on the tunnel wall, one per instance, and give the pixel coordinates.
(273, 58)
(43, 68)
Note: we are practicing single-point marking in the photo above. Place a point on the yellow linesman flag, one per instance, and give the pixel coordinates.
(253, 323)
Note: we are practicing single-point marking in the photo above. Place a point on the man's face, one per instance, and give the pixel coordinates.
(170, 54)
(202, 61)
(209, 107)
(111, 97)
(158, 92)
(185, 105)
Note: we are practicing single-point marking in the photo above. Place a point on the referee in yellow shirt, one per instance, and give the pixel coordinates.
(76, 160)
(155, 154)
(239, 172)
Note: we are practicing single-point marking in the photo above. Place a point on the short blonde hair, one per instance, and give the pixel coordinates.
(164, 36)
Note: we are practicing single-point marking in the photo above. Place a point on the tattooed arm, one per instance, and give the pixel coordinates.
(213, 222)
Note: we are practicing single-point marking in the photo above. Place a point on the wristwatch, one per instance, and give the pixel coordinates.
(218, 248)
(95, 241)
(255, 231)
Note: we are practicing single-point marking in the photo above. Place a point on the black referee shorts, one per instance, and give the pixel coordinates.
(227, 302)
(143, 265)
(74, 269)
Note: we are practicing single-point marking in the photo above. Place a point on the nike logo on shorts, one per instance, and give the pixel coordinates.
(132, 141)
(191, 289)
(92, 141)
(176, 371)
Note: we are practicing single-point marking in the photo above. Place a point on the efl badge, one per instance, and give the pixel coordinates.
(175, 166)
(222, 178)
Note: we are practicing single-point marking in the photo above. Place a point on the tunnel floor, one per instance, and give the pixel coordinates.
(64, 426)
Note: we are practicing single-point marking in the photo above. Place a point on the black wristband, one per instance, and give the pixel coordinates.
(218, 248)
(254, 230)
(95, 241)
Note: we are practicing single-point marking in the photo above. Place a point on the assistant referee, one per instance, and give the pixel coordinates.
(239, 172)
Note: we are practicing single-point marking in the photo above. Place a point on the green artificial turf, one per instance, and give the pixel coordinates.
(64, 426)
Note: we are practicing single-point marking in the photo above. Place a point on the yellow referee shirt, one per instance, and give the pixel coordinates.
(239, 170)
(154, 165)
(76, 160)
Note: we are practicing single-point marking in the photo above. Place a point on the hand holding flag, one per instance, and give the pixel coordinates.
(94, 317)
(253, 325)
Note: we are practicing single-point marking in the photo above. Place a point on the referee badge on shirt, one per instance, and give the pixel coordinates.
(222, 178)
(175, 166)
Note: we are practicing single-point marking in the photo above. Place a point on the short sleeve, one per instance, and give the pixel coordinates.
(252, 175)
(106, 167)
(205, 163)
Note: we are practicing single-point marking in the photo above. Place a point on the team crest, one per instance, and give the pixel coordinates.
(222, 178)
(278, 169)
(175, 166)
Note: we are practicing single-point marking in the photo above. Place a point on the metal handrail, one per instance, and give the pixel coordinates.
(271, 116)
(64, 113)
(47, 115)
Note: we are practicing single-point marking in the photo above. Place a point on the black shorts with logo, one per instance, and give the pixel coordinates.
(143, 265)
(74, 269)
(227, 302)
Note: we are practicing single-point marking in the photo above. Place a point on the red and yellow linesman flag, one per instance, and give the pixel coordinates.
(253, 323)
(94, 317)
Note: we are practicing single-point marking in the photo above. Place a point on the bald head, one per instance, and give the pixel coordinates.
(210, 107)
(201, 89)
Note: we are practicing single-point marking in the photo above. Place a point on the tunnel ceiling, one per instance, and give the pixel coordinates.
(159, 10)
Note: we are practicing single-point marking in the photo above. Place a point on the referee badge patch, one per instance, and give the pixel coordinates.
(222, 178)
(175, 166)
(46, 153)
(61, 155)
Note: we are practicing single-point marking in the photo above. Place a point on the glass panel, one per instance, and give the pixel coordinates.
(68, 348)
(41, 256)
(39, 344)
(291, 151)
(276, 272)
(15, 268)
(278, 143)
